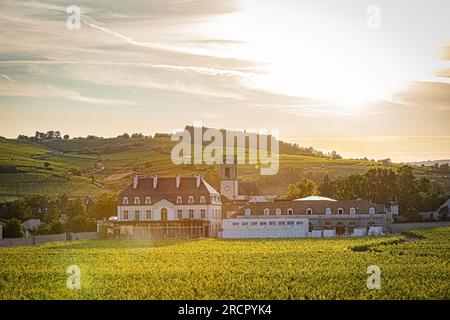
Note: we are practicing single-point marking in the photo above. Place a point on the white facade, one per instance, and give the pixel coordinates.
(175, 212)
(265, 227)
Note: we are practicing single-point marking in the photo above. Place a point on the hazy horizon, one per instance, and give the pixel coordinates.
(315, 71)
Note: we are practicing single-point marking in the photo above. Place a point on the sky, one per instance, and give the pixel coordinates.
(364, 78)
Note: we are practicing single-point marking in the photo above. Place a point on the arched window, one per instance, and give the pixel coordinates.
(125, 200)
(328, 211)
(309, 211)
(371, 210)
(290, 212)
(202, 199)
(179, 200)
(136, 200)
(148, 200)
(248, 211)
(191, 200)
(163, 214)
(278, 211)
(352, 211)
(266, 211)
(340, 211)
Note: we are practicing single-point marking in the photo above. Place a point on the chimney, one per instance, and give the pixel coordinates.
(135, 181)
(198, 178)
(178, 180)
(155, 181)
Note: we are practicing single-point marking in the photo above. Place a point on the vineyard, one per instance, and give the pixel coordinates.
(414, 266)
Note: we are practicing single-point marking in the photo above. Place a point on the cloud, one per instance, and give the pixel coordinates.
(5, 76)
(37, 91)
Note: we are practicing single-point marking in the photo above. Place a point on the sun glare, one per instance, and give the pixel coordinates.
(301, 57)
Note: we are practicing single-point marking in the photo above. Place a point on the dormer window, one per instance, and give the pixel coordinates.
(137, 200)
(148, 200)
(179, 200)
(328, 211)
(340, 211)
(248, 211)
(125, 200)
(202, 199)
(352, 211)
(278, 211)
(290, 212)
(371, 210)
(191, 200)
(309, 211)
(266, 211)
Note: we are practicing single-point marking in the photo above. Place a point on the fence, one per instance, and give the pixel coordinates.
(35, 240)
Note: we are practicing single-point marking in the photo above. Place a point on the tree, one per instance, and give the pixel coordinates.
(105, 206)
(75, 208)
(19, 210)
(302, 188)
(46, 165)
(13, 229)
(80, 223)
(326, 189)
(66, 137)
(444, 213)
(408, 188)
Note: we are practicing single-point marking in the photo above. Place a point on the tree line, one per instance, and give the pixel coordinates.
(379, 185)
(57, 216)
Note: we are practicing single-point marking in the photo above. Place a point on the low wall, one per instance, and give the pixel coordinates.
(399, 227)
(35, 240)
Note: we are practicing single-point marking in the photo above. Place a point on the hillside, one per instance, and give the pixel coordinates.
(80, 167)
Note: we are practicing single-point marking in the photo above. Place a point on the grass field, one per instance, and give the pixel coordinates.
(411, 268)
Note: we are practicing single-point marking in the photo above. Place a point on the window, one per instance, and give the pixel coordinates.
(272, 223)
(328, 211)
(277, 211)
(149, 214)
(191, 200)
(191, 213)
(371, 210)
(179, 214)
(254, 223)
(202, 199)
(309, 211)
(179, 200)
(263, 223)
(281, 223)
(136, 200)
(148, 200)
(290, 222)
(202, 213)
(235, 223)
(136, 215)
(248, 211)
(266, 211)
(340, 211)
(299, 222)
(213, 199)
(244, 223)
(125, 215)
(352, 211)
(290, 212)
(125, 200)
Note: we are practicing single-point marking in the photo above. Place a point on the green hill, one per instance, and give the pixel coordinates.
(80, 167)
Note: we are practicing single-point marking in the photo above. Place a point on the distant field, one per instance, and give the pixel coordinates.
(146, 156)
(232, 269)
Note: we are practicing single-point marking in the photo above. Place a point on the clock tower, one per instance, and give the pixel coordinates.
(228, 178)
